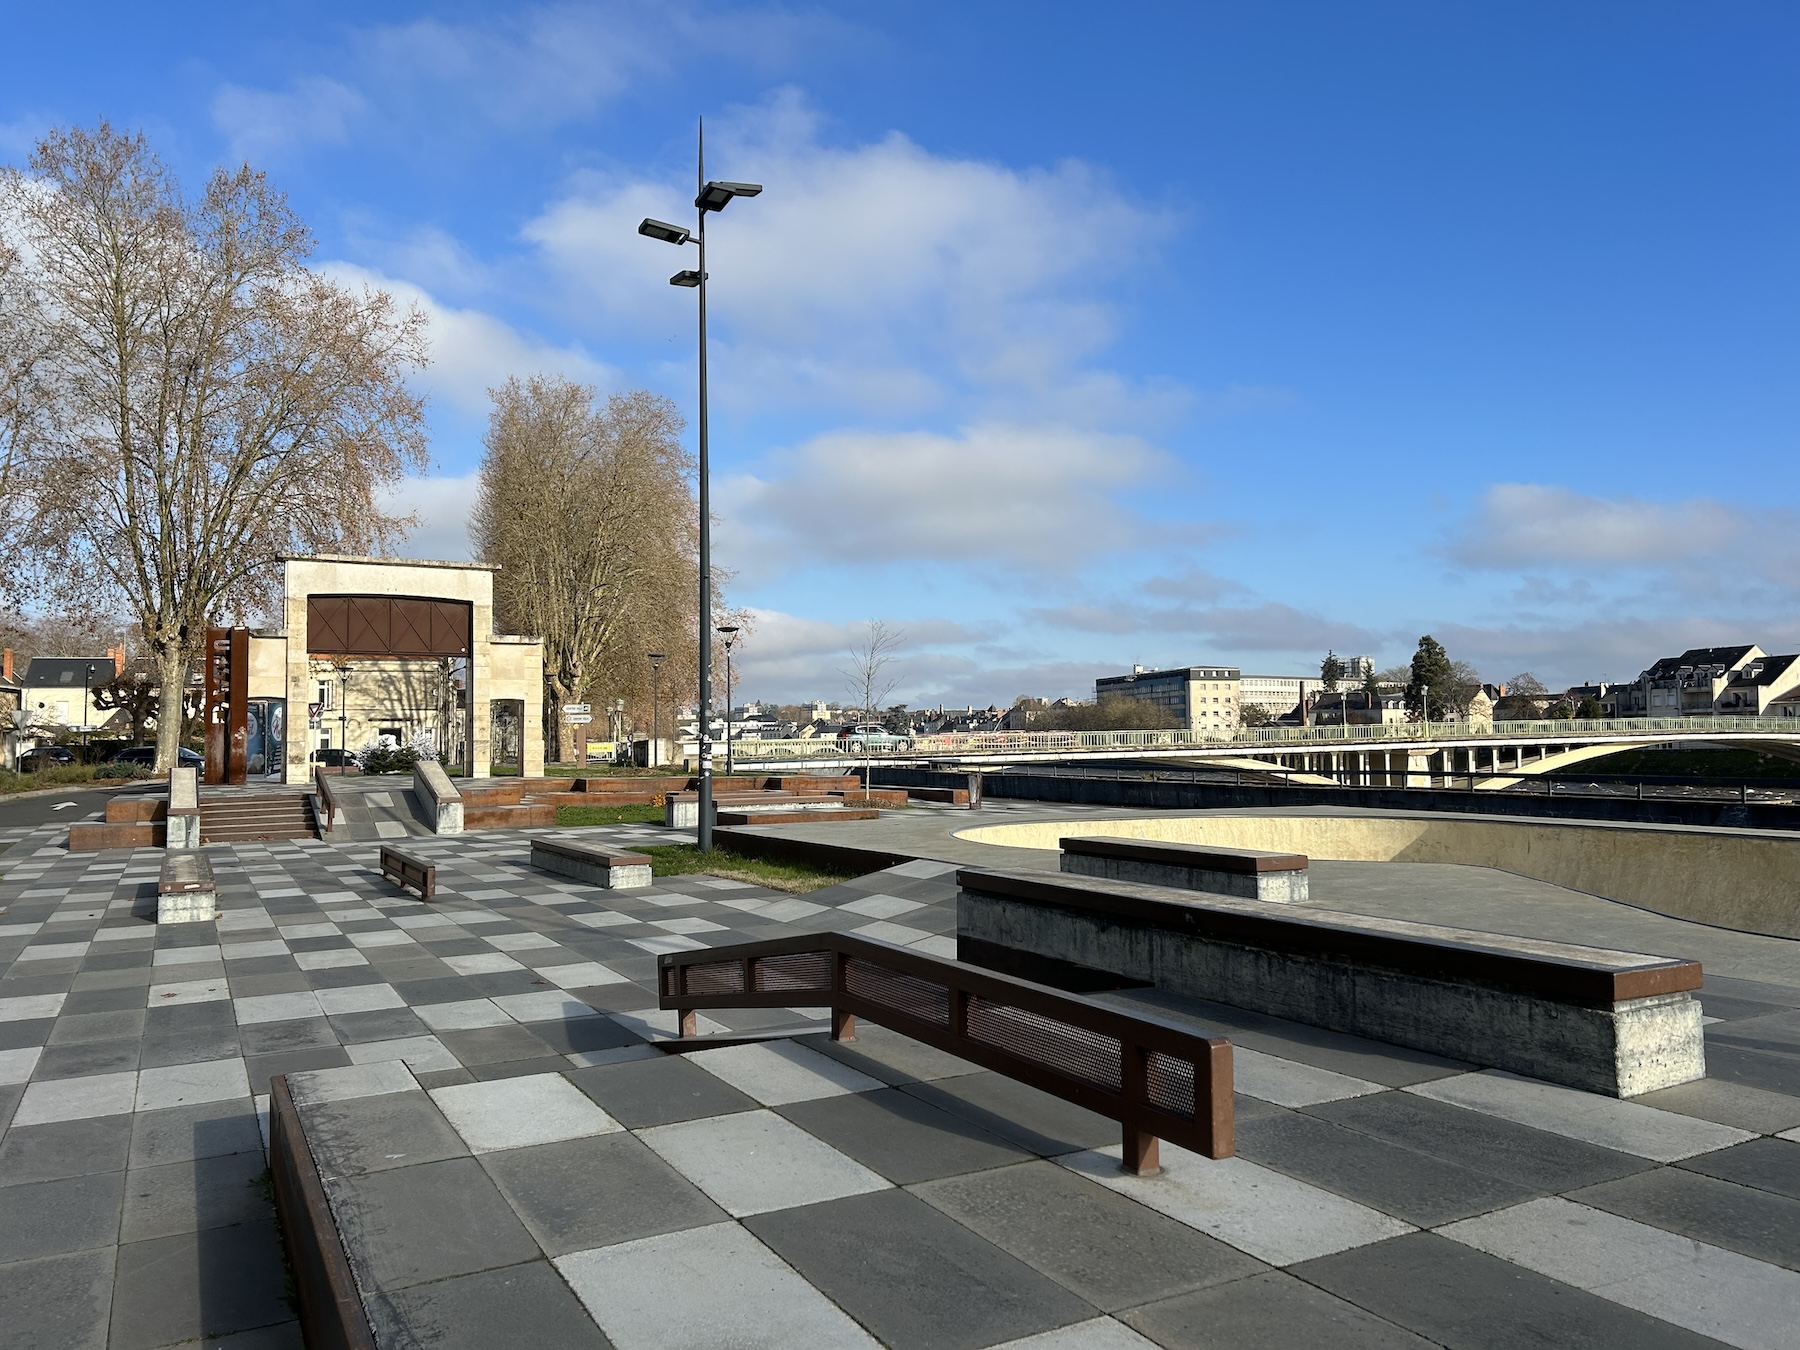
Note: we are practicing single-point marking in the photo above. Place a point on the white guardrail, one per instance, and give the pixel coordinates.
(1246, 740)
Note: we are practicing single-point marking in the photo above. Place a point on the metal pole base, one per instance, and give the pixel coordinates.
(1141, 1153)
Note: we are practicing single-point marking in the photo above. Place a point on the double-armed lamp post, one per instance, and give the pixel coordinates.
(712, 196)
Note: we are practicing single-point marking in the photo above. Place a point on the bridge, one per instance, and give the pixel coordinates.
(1408, 754)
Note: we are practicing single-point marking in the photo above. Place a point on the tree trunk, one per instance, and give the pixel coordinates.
(171, 667)
(553, 705)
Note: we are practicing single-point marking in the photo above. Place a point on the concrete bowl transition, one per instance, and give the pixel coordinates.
(1747, 880)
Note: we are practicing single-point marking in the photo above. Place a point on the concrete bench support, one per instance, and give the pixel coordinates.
(184, 809)
(443, 804)
(1247, 872)
(1620, 1023)
(609, 868)
(185, 890)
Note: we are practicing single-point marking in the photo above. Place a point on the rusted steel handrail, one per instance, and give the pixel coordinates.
(1159, 1080)
(326, 797)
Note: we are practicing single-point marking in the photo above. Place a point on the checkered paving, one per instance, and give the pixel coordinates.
(510, 1154)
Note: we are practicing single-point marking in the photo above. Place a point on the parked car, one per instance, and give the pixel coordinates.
(44, 757)
(145, 755)
(330, 757)
(872, 736)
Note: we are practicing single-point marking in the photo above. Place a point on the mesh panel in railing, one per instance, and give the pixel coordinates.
(715, 977)
(1091, 1056)
(795, 970)
(926, 1000)
(1169, 1083)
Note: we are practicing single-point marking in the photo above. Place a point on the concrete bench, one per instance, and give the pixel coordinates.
(409, 869)
(1247, 872)
(185, 890)
(442, 803)
(948, 796)
(612, 869)
(1621, 1023)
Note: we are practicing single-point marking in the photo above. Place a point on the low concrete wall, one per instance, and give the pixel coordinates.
(1733, 878)
(598, 867)
(1192, 794)
(437, 795)
(1500, 1006)
(1253, 874)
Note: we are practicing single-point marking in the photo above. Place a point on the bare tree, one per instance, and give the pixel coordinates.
(868, 679)
(217, 404)
(24, 349)
(590, 514)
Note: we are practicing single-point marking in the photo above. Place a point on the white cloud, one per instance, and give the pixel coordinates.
(441, 505)
(876, 272)
(1542, 525)
(472, 350)
(263, 123)
(1034, 497)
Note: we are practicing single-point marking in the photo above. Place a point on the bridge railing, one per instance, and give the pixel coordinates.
(1251, 740)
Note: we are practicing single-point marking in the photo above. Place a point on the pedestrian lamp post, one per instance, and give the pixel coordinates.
(729, 632)
(656, 660)
(712, 196)
(343, 674)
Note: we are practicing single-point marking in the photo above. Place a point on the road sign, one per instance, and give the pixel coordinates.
(576, 708)
(578, 719)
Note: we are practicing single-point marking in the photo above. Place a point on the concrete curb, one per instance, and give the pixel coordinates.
(330, 1308)
(777, 848)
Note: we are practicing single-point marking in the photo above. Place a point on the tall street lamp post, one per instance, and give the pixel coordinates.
(344, 719)
(712, 196)
(656, 660)
(729, 632)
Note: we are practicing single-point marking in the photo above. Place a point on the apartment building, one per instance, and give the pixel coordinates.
(1202, 698)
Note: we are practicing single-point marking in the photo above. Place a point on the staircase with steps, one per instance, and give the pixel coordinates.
(260, 815)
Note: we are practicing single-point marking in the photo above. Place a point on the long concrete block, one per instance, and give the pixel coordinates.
(1620, 1023)
(442, 803)
(1254, 874)
(610, 869)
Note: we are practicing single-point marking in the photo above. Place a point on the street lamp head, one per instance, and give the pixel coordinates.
(656, 660)
(716, 196)
(689, 278)
(728, 628)
(661, 229)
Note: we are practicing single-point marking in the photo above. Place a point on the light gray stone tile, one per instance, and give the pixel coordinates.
(1273, 1217)
(1626, 1126)
(519, 1112)
(755, 1161)
(714, 1288)
(105, 1094)
(215, 1080)
(778, 1072)
(1288, 1082)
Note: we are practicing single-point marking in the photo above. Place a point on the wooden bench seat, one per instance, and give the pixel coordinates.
(612, 869)
(1621, 1023)
(1249, 872)
(185, 889)
(409, 870)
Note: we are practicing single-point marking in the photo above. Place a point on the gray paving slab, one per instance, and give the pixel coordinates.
(1771, 1165)
(1106, 1249)
(520, 1304)
(58, 1302)
(904, 1139)
(659, 1091)
(1723, 1213)
(1469, 1300)
(186, 1197)
(1418, 1187)
(429, 1222)
(597, 1191)
(182, 1133)
(1271, 1311)
(65, 1149)
(1517, 1153)
(891, 1057)
(212, 1283)
(938, 1284)
(1755, 1109)
(372, 1134)
(1031, 1119)
(50, 1218)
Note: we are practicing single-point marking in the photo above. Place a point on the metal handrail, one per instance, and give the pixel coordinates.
(1159, 1080)
(1252, 738)
(327, 798)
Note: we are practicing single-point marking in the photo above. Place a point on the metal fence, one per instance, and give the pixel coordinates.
(1157, 1079)
(1252, 740)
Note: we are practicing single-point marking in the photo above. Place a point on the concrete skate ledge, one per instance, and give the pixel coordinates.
(1622, 1023)
(1254, 874)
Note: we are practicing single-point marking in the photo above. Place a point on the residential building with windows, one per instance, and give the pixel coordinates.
(1277, 695)
(1202, 698)
(1736, 681)
(56, 692)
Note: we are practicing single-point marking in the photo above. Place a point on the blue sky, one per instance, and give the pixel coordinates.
(1067, 336)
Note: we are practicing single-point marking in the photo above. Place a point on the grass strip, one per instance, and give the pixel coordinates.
(675, 860)
(609, 815)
